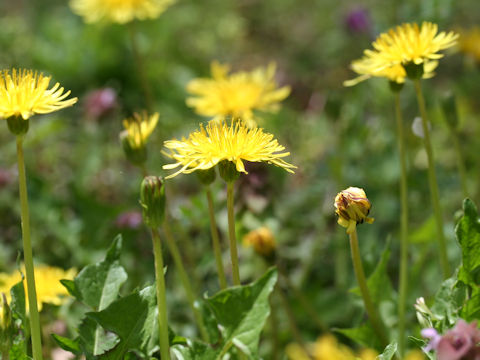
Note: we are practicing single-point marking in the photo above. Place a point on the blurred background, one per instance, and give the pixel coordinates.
(83, 191)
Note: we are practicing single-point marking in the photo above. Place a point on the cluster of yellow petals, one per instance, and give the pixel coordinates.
(407, 43)
(469, 43)
(47, 282)
(119, 11)
(219, 141)
(237, 94)
(25, 93)
(139, 128)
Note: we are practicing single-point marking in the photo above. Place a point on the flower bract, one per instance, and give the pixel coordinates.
(24, 93)
(218, 141)
(119, 11)
(47, 281)
(237, 94)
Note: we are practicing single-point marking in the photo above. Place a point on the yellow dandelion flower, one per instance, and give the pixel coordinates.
(405, 44)
(327, 348)
(139, 128)
(237, 94)
(219, 141)
(25, 93)
(469, 43)
(47, 281)
(119, 11)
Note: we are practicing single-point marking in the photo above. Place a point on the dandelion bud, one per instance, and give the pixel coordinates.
(352, 208)
(152, 199)
(228, 171)
(206, 177)
(135, 154)
(17, 125)
(414, 71)
(262, 240)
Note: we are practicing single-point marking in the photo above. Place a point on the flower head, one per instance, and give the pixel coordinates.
(24, 93)
(219, 141)
(461, 342)
(119, 11)
(100, 102)
(139, 128)
(237, 94)
(262, 240)
(352, 208)
(405, 44)
(47, 281)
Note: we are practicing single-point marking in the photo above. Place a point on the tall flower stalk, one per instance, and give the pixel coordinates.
(24, 93)
(403, 276)
(432, 180)
(231, 233)
(352, 207)
(152, 194)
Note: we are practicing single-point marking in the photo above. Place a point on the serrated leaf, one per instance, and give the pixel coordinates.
(17, 303)
(389, 352)
(134, 319)
(468, 235)
(241, 312)
(98, 284)
(67, 344)
(449, 300)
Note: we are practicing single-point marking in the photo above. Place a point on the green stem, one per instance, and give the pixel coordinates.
(216, 240)
(177, 258)
(231, 234)
(460, 162)
(403, 276)
(140, 66)
(274, 327)
(362, 283)
(433, 182)
(161, 296)
(35, 328)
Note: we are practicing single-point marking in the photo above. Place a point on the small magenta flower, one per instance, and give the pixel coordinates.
(100, 102)
(129, 220)
(358, 21)
(459, 343)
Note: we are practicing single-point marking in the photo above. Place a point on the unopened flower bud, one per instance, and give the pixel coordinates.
(152, 199)
(228, 171)
(262, 241)
(17, 125)
(352, 207)
(207, 176)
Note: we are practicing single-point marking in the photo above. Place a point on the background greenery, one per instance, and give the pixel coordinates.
(80, 182)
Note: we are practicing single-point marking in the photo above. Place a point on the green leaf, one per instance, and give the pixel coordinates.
(468, 235)
(133, 318)
(449, 300)
(389, 352)
(17, 351)
(67, 344)
(98, 285)
(241, 312)
(363, 335)
(194, 351)
(94, 340)
(17, 303)
(71, 288)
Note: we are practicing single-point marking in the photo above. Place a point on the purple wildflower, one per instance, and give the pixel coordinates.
(358, 21)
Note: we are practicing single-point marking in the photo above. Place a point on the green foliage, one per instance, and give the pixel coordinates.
(363, 335)
(389, 352)
(241, 313)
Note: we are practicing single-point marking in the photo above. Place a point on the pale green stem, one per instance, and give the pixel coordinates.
(177, 258)
(403, 276)
(460, 163)
(140, 66)
(372, 313)
(216, 240)
(274, 327)
(161, 296)
(231, 233)
(433, 182)
(35, 328)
